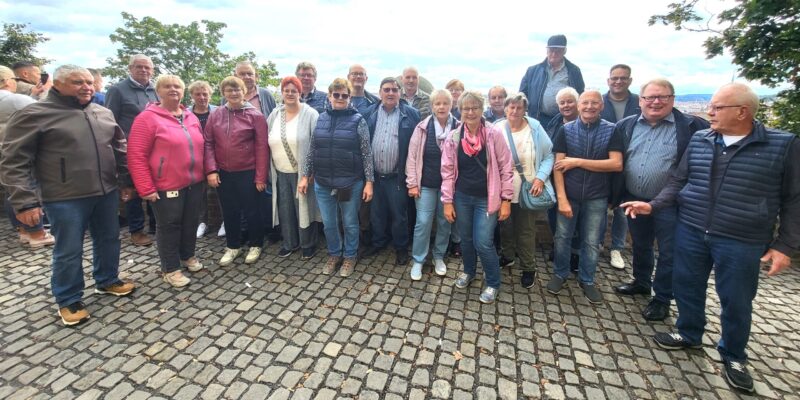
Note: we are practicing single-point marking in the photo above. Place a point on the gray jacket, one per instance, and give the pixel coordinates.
(127, 99)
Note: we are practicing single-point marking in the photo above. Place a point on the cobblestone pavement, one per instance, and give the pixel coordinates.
(280, 329)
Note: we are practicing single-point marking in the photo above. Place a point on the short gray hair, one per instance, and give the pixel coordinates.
(441, 93)
(500, 88)
(410, 68)
(137, 57)
(471, 95)
(244, 63)
(744, 95)
(305, 65)
(658, 82)
(66, 70)
(516, 98)
(568, 91)
(200, 85)
(390, 79)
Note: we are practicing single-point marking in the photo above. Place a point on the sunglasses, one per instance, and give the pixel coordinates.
(390, 90)
(343, 96)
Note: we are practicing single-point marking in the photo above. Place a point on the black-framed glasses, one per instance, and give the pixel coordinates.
(619, 78)
(343, 96)
(662, 98)
(714, 108)
(390, 90)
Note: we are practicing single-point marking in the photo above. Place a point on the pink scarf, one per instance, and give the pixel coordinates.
(472, 144)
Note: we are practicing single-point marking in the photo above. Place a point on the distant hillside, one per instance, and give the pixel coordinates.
(693, 97)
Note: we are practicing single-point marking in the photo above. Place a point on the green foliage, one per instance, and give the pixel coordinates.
(19, 44)
(763, 36)
(189, 51)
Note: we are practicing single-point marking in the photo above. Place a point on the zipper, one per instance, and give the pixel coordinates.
(63, 170)
(96, 151)
(160, 166)
(191, 150)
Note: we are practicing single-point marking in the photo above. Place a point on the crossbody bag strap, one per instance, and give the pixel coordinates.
(285, 142)
(517, 165)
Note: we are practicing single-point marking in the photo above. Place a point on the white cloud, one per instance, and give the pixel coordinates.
(481, 43)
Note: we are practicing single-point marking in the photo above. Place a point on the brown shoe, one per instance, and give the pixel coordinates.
(141, 239)
(347, 267)
(117, 289)
(331, 264)
(73, 314)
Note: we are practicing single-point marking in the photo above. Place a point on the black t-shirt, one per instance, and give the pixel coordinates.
(471, 176)
(203, 119)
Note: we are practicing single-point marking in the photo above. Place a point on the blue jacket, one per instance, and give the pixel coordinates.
(685, 126)
(317, 100)
(589, 141)
(543, 158)
(535, 81)
(631, 108)
(337, 149)
(409, 118)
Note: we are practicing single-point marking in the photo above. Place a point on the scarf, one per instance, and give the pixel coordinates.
(442, 131)
(472, 144)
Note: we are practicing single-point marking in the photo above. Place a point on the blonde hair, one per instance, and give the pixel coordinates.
(339, 84)
(471, 95)
(454, 84)
(5, 75)
(200, 85)
(232, 81)
(162, 80)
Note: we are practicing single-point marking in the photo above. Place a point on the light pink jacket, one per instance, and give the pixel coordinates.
(416, 152)
(499, 168)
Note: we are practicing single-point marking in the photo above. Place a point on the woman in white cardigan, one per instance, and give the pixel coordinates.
(291, 125)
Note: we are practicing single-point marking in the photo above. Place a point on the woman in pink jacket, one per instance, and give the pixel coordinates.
(237, 164)
(165, 159)
(477, 176)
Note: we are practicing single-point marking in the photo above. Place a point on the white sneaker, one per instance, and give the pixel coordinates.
(221, 231)
(201, 229)
(192, 264)
(252, 255)
(176, 279)
(440, 267)
(616, 260)
(416, 271)
(229, 256)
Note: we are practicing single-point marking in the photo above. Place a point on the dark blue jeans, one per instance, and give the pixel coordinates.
(238, 195)
(476, 226)
(645, 229)
(69, 220)
(331, 208)
(587, 218)
(388, 213)
(135, 215)
(736, 266)
(619, 229)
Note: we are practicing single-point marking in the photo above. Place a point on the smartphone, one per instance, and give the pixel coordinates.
(43, 77)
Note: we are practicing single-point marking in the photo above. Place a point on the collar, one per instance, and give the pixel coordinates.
(137, 84)
(669, 118)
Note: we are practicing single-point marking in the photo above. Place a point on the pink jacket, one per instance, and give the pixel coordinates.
(499, 168)
(416, 151)
(236, 140)
(164, 153)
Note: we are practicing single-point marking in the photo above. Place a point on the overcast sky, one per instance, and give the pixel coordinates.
(482, 43)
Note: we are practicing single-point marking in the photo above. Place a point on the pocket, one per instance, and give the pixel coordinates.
(63, 170)
(160, 167)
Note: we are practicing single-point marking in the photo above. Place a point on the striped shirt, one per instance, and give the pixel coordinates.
(651, 157)
(385, 144)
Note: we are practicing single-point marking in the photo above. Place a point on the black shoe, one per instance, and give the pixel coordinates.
(285, 253)
(401, 257)
(371, 251)
(551, 256)
(574, 261)
(528, 278)
(455, 250)
(309, 253)
(656, 311)
(632, 288)
(555, 284)
(592, 294)
(737, 376)
(506, 262)
(673, 341)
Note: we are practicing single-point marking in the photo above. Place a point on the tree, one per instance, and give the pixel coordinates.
(18, 44)
(762, 35)
(189, 51)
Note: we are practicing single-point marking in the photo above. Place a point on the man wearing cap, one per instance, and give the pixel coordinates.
(542, 81)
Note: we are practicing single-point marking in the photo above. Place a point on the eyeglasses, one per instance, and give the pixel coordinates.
(714, 108)
(650, 99)
(358, 74)
(619, 78)
(467, 110)
(390, 90)
(343, 96)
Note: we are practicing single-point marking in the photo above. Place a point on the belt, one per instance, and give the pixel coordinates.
(386, 176)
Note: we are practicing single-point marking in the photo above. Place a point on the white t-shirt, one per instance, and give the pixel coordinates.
(527, 155)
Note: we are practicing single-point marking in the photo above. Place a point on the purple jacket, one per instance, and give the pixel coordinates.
(499, 168)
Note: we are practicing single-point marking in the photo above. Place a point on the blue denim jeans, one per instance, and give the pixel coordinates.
(587, 217)
(12, 217)
(619, 229)
(645, 229)
(388, 213)
(135, 215)
(736, 267)
(429, 206)
(330, 208)
(69, 220)
(476, 226)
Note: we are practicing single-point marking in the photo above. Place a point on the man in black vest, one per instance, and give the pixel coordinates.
(733, 182)
(654, 140)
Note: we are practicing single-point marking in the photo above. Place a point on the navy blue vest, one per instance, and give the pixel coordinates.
(747, 204)
(589, 142)
(337, 149)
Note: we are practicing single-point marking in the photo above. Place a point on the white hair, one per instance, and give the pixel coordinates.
(66, 70)
(137, 57)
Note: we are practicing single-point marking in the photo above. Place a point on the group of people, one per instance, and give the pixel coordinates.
(407, 165)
